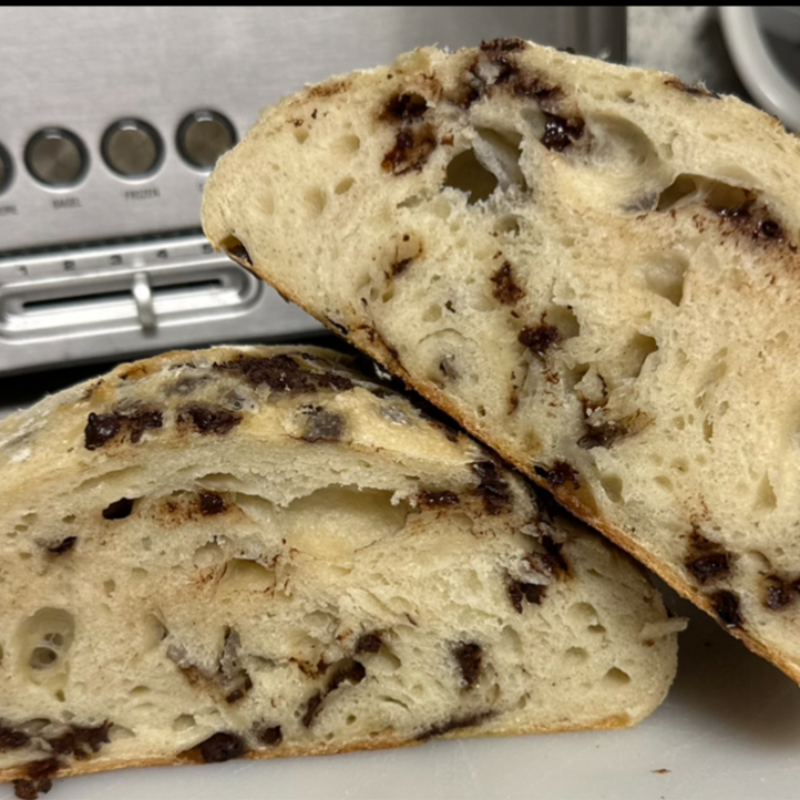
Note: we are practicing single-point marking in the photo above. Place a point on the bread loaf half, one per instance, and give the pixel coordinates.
(593, 268)
(260, 552)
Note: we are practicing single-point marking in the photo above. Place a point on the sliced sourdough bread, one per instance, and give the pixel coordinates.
(593, 268)
(258, 552)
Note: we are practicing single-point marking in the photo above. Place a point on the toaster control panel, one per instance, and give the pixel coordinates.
(112, 117)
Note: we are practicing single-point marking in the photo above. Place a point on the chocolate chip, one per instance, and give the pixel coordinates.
(778, 594)
(270, 735)
(412, 149)
(233, 247)
(506, 70)
(208, 419)
(532, 592)
(279, 373)
(770, 229)
(368, 643)
(553, 549)
(559, 474)
(211, 503)
(493, 489)
(44, 768)
(221, 747)
(283, 374)
(404, 107)
(312, 708)
(337, 326)
(454, 723)
(543, 563)
(709, 567)
(726, 606)
(694, 90)
(515, 595)
(238, 693)
(39, 780)
(739, 208)
(603, 435)
(119, 509)
(505, 288)
(508, 45)
(436, 499)
(81, 741)
(11, 739)
(58, 549)
(559, 132)
(100, 428)
(140, 421)
(539, 338)
(399, 267)
(29, 790)
(323, 425)
(469, 656)
(706, 560)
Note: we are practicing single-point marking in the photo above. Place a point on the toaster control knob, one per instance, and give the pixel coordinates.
(131, 148)
(203, 137)
(5, 168)
(56, 157)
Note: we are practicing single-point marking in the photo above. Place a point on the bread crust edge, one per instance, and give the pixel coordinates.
(91, 767)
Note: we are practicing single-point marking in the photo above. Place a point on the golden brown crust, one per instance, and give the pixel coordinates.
(93, 766)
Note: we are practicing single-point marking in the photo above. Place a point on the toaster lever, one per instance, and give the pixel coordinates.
(143, 296)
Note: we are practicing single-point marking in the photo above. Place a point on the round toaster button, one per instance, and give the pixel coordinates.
(5, 168)
(203, 136)
(56, 157)
(131, 148)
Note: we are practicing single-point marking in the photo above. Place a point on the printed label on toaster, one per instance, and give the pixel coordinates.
(66, 202)
(150, 193)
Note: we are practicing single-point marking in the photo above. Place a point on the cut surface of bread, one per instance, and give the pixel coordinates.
(593, 268)
(257, 552)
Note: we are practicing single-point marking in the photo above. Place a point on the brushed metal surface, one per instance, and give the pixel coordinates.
(114, 302)
(131, 147)
(56, 157)
(82, 68)
(203, 137)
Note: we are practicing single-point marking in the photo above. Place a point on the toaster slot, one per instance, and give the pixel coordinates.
(159, 296)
